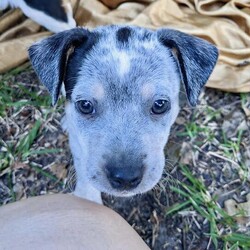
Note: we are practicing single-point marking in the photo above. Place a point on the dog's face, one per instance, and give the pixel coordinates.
(122, 84)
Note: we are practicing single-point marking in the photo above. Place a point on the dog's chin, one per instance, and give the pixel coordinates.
(123, 193)
(107, 189)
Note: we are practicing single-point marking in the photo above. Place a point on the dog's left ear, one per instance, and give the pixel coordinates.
(49, 56)
(196, 59)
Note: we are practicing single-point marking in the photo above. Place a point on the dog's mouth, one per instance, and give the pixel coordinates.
(106, 187)
(122, 193)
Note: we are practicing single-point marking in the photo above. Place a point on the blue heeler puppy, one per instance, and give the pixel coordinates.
(122, 85)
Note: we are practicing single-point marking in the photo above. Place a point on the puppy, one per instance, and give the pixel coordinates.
(55, 15)
(122, 85)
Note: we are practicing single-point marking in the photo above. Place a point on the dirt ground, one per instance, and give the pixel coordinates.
(212, 141)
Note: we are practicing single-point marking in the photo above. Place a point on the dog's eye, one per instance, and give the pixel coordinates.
(85, 107)
(160, 106)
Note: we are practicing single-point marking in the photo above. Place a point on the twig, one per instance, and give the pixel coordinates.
(223, 158)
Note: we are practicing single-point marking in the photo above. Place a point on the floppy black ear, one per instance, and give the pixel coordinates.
(49, 56)
(196, 59)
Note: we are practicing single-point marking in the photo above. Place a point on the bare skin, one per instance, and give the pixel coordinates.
(64, 221)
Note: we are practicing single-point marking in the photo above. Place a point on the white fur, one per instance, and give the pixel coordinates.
(148, 45)
(5, 3)
(123, 60)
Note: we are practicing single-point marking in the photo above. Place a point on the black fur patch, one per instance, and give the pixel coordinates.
(75, 62)
(123, 35)
(51, 8)
(146, 36)
(49, 57)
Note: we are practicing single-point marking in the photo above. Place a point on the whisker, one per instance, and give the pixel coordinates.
(71, 180)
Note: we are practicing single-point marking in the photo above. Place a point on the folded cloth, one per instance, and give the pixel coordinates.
(225, 23)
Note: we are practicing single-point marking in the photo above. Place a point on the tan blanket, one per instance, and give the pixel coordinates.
(225, 23)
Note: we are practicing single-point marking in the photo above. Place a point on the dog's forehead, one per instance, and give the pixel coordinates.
(122, 61)
(124, 37)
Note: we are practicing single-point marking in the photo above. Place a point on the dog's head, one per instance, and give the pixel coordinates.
(122, 84)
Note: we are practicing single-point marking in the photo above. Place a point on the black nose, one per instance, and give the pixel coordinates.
(124, 178)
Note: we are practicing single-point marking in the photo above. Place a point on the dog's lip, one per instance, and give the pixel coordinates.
(126, 192)
(118, 193)
(122, 193)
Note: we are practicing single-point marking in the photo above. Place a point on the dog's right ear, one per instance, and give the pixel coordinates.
(48, 57)
(196, 59)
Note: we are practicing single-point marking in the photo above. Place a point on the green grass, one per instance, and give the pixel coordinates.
(223, 228)
(23, 148)
(13, 97)
(211, 114)
(231, 147)
(243, 97)
(198, 198)
(194, 130)
(24, 145)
